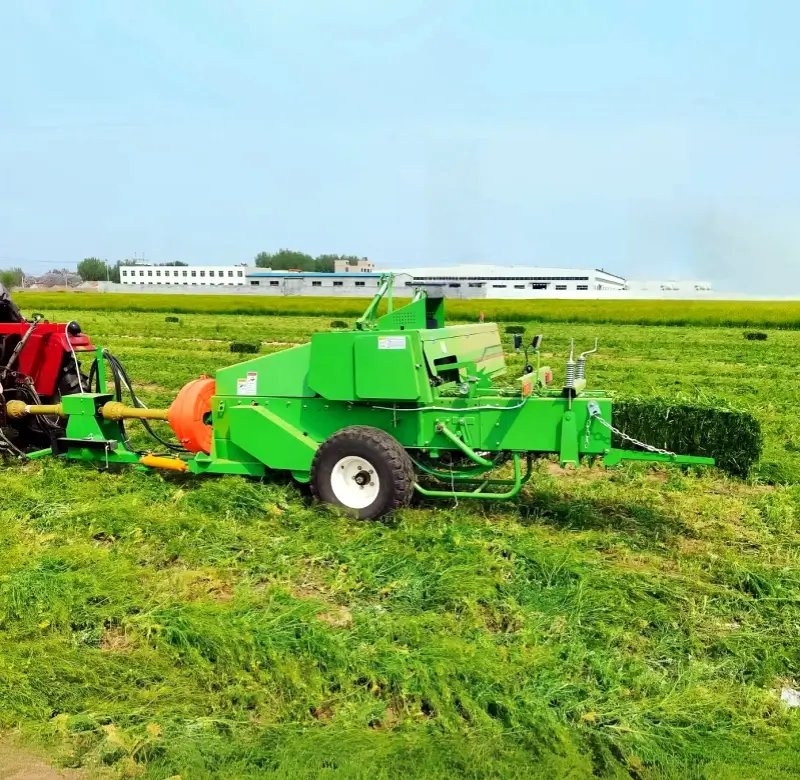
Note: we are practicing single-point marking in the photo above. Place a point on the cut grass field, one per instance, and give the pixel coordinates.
(625, 624)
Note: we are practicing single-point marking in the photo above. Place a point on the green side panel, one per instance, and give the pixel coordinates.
(407, 317)
(331, 371)
(270, 438)
(389, 367)
(283, 433)
(477, 343)
(283, 374)
(203, 464)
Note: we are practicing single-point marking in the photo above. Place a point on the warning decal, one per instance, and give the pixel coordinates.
(248, 385)
(392, 342)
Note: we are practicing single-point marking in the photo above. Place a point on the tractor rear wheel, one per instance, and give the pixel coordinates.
(363, 470)
(36, 432)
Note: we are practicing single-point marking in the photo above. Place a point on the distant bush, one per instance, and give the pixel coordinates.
(172, 319)
(753, 336)
(515, 329)
(339, 324)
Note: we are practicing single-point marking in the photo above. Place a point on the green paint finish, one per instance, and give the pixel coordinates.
(615, 456)
(389, 367)
(283, 373)
(267, 436)
(203, 464)
(480, 492)
(477, 345)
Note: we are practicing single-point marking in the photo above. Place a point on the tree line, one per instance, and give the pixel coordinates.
(93, 269)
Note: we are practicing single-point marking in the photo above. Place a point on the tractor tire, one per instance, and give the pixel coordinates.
(33, 432)
(363, 470)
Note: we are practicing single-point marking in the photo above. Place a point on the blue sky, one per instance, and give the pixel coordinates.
(650, 138)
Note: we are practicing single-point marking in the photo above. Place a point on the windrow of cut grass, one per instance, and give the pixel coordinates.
(744, 314)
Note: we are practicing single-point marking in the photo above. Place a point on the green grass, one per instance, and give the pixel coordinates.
(625, 624)
(744, 314)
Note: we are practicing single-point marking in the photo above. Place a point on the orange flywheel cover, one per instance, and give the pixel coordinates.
(188, 414)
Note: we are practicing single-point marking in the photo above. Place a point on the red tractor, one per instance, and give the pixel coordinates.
(38, 363)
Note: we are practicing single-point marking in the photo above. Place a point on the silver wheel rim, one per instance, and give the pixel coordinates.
(355, 482)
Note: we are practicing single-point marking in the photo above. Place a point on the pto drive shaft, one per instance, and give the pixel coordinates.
(113, 410)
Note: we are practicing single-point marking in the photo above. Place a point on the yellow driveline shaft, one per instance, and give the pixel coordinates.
(113, 410)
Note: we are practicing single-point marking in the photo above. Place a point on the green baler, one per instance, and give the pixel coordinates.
(401, 403)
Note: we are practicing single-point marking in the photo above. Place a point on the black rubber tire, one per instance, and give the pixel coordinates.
(33, 433)
(390, 460)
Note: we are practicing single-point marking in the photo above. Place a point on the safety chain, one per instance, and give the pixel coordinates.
(596, 414)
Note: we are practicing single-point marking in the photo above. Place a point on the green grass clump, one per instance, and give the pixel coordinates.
(514, 329)
(733, 438)
(339, 324)
(755, 336)
(172, 319)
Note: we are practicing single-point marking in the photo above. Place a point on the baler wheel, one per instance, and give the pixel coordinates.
(364, 470)
(188, 415)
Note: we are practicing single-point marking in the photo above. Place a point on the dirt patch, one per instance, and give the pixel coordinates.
(18, 764)
(336, 617)
(115, 640)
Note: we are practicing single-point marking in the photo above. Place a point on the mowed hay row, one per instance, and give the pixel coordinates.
(732, 437)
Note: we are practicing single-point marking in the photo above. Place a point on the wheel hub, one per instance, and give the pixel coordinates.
(354, 482)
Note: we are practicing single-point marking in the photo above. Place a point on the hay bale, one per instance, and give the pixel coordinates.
(244, 348)
(339, 324)
(515, 329)
(172, 319)
(755, 336)
(732, 437)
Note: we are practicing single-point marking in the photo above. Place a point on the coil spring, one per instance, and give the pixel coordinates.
(570, 374)
(581, 373)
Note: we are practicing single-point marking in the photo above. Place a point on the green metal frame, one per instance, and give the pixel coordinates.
(431, 386)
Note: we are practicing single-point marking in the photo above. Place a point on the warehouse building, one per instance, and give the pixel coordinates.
(197, 275)
(346, 284)
(489, 281)
(465, 281)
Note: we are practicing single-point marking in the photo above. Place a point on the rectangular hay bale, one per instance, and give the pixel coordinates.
(730, 436)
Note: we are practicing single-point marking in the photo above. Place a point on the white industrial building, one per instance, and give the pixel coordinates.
(197, 275)
(346, 284)
(658, 287)
(491, 281)
(465, 281)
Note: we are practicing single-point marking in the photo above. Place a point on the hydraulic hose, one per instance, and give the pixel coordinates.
(120, 377)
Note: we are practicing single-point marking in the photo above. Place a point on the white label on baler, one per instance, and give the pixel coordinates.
(247, 386)
(392, 342)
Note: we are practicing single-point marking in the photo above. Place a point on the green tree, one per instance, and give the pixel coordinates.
(285, 259)
(11, 277)
(173, 263)
(263, 260)
(325, 263)
(93, 269)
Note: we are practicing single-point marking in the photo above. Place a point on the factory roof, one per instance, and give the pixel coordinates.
(494, 271)
(343, 274)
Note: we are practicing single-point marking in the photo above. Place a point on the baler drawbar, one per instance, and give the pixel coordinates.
(402, 403)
